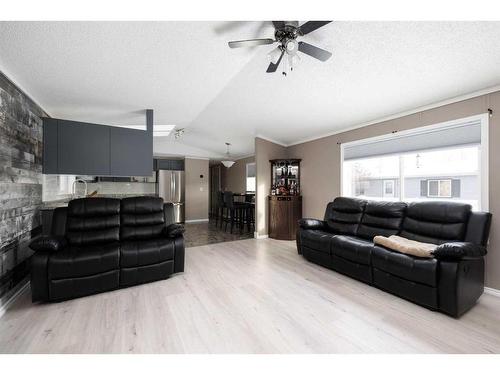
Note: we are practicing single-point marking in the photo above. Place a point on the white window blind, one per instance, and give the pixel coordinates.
(454, 135)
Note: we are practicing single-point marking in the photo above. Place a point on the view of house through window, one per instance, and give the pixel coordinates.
(250, 177)
(451, 173)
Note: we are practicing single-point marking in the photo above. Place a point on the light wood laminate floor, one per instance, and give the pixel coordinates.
(249, 296)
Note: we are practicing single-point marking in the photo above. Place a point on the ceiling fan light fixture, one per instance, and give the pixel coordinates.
(274, 55)
(291, 46)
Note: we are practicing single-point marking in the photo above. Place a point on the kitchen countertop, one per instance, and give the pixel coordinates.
(51, 205)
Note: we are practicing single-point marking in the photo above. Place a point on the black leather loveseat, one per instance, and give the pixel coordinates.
(450, 282)
(101, 244)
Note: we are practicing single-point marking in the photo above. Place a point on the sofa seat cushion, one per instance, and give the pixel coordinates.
(352, 248)
(76, 261)
(146, 252)
(421, 270)
(318, 240)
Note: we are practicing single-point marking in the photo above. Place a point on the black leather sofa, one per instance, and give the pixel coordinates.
(450, 282)
(101, 244)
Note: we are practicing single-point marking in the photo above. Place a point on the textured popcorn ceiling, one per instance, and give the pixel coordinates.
(108, 72)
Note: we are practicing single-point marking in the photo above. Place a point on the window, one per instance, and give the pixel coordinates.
(439, 162)
(250, 177)
(439, 188)
(388, 188)
(374, 178)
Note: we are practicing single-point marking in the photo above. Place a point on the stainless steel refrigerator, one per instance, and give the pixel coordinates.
(170, 187)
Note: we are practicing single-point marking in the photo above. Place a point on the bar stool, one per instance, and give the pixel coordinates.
(219, 209)
(234, 211)
(249, 218)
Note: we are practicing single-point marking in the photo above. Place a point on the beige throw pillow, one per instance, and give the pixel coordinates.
(406, 246)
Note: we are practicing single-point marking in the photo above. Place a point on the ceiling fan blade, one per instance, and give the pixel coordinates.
(273, 67)
(279, 24)
(250, 42)
(313, 51)
(311, 26)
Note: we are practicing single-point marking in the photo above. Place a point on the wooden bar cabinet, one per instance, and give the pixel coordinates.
(285, 201)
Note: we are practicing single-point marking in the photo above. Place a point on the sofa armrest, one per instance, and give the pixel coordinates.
(48, 243)
(311, 224)
(174, 230)
(459, 250)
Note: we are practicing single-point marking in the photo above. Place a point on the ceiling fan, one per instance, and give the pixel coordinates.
(286, 34)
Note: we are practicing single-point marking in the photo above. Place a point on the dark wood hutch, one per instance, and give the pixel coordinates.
(285, 201)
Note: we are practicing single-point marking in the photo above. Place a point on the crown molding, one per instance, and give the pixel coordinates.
(452, 100)
(19, 87)
(197, 157)
(271, 140)
(244, 157)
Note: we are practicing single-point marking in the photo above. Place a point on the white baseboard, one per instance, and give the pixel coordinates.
(260, 236)
(4, 307)
(492, 291)
(196, 221)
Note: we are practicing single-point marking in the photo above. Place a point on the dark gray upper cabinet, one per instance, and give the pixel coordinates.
(83, 148)
(131, 152)
(169, 164)
(50, 146)
(79, 148)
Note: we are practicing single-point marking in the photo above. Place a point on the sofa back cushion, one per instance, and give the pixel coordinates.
(93, 221)
(343, 215)
(141, 218)
(381, 219)
(436, 222)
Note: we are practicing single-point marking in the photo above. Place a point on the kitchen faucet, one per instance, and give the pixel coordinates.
(73, 188)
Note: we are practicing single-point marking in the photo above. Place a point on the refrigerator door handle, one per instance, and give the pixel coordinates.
(171, 186)
(173, 190)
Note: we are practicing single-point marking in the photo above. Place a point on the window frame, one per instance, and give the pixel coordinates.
(246, 178)
(483, 151)
(439, 181)
(389, 182)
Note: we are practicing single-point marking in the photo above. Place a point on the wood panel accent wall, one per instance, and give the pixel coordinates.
(20, 182)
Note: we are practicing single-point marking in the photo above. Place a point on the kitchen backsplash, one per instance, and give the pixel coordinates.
(59, 187)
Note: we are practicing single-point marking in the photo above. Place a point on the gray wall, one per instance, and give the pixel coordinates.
(264, 151)
(20, 182)
(196, 189)
(236, 176)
